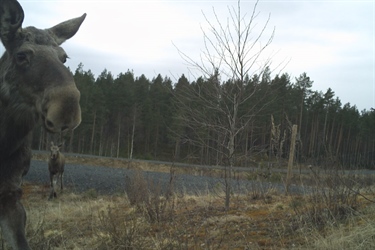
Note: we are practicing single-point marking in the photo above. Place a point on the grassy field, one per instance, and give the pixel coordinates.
(87, 221)
(339, 213)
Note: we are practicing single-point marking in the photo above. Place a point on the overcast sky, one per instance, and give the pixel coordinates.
(332, 41)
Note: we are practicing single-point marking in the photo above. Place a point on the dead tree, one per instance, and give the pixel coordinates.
(231, 63)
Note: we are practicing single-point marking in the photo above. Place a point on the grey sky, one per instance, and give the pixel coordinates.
(332, 41)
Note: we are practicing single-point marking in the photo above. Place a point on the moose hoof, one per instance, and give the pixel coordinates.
(52, 195)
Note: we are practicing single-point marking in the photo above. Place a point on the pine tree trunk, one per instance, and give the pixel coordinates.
(301, 110)
(93, 133)
(291, 157)
(156, 140)
(339, 140)
(118, 137)
(133, 132)
(101, 146)
(246, 146)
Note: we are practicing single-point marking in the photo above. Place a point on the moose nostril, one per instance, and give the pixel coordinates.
(49, 124)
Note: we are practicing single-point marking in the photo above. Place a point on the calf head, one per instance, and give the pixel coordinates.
(55, 149)
(33, 71)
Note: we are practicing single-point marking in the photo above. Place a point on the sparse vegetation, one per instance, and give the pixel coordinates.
(337, 210)
(150, 198)
(337, 213)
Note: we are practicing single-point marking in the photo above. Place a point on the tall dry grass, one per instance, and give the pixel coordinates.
(337, 213)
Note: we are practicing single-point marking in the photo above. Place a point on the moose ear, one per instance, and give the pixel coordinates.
(11, 18)
(67, 29)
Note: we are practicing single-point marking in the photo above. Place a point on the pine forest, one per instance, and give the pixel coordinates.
(194, 122)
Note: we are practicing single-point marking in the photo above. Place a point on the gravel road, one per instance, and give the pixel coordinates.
(107, 180)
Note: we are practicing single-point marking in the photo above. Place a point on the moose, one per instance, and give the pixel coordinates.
(56, 165)
(35, 86)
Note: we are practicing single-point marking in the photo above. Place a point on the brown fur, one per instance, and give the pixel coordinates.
(34, 85)
(56, 164)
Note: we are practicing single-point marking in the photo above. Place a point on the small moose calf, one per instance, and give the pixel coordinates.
(56, 164)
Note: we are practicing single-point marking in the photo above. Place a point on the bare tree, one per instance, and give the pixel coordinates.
(220, 106)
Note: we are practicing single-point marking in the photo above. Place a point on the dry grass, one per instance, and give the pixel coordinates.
(84, 221)
(77, 222)
(355, 235)
(150, 218)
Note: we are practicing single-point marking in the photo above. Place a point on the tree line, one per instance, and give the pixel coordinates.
(183, 121)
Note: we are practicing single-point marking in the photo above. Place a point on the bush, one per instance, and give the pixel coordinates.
(332, 198)
(120, 230)
(149, 197)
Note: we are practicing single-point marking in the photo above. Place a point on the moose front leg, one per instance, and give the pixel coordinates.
(61, 181)
(52, 181)
(13, 219)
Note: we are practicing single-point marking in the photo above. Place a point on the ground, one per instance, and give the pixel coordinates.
(145, 218)
(88, 221)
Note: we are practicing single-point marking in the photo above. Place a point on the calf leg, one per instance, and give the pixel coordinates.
(13, 220)
(52, 181)
(61, 181)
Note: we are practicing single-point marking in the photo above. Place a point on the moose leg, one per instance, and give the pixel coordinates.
(61, 181)
(13, 220)
(52, 180)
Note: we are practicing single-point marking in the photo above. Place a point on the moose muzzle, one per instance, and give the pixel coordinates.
(62, 111)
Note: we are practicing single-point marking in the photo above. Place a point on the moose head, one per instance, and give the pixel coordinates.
(55, 150)
(33, 70)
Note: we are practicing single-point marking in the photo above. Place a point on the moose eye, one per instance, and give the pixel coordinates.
(21, 57)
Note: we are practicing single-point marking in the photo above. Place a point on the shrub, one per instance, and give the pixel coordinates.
(332, 198)
(151, 198)
(120, 230)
